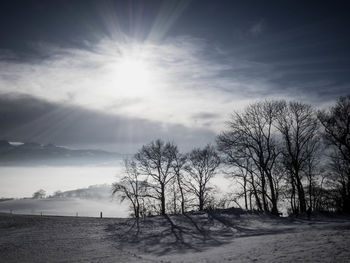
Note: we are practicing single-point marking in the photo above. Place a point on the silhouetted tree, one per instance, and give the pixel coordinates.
(201, 167)
(336, 123)
(58, 193)
(179, 161)
(298, 125)
(131, 187)
(155, 160)
(239, 165)
(252, 138)
(39, 194)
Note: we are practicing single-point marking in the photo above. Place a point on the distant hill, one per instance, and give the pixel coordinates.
(30, 153)
(96, 192)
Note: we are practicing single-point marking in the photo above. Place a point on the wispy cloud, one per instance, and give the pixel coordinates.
(25, 118)
(187, 76)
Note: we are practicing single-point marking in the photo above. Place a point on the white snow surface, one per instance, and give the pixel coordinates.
(64, 206)
(215, 236)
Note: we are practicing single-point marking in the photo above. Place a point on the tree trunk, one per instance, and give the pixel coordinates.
(174, 201)
(162, 200)
(292, 197)
(274, 209)
(310, 194)
(182, 195)
(137, 209)
(245, 192)
(346, 201)
(201, 201)
(255, 192)
(263, 192)
(250, 200)
(301, 194)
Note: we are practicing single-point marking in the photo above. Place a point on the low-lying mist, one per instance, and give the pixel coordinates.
(69, 190)
(19, 182)
(90, 201)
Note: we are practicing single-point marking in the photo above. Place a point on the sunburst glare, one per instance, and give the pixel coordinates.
(132, 75)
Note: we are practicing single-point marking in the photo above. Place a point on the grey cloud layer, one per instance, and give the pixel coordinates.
(190, 76)
(25, 118)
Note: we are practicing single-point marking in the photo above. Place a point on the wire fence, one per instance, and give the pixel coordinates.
(97, 214)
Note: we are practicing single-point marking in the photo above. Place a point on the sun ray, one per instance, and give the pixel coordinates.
(131, 74)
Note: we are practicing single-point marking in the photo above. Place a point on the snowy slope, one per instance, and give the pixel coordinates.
(223, 236)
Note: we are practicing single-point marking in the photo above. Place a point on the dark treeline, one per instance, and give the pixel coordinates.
(280, 154)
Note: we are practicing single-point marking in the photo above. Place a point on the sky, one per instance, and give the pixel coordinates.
(117, 74)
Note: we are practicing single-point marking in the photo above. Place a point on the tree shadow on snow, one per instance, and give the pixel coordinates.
(194, 231)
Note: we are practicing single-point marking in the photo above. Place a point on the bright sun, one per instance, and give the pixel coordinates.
(132, 76)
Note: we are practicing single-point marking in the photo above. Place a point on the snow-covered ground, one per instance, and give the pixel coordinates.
(226, 236)
(88, 202)
(65, 206)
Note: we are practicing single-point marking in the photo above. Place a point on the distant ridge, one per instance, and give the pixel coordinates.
(31, 153)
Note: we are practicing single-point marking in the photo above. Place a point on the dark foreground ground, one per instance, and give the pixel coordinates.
(225, 236)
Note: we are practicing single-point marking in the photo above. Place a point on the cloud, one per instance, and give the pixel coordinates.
(205, 115)
(185, 77)
(25, 118)
(179, 77)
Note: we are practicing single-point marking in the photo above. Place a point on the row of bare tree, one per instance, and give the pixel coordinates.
(280, 153)
(159, 179)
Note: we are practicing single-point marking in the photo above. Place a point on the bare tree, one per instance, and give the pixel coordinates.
(336, 123)
(155, 160)
(178, 168)
(252, 134)
(201, 167)
(338, 178)
(315, 174)
(39, 194)
(273, 148)
(131, 187)
(299, 128)
(240, 166)
(242, 174)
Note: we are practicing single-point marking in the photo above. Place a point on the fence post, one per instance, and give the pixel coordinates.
(100, 214)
